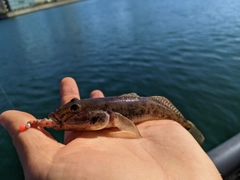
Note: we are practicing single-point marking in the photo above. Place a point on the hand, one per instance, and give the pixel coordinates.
(166, 151)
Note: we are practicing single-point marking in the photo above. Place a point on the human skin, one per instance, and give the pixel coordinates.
(165, 151)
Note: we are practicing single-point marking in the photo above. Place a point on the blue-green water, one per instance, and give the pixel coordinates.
(188, 51)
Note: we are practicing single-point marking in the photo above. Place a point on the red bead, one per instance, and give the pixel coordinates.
(22, 128)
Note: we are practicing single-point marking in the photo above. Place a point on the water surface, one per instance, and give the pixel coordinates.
(187, 51)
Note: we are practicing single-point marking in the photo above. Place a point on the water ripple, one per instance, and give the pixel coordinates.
(188, 52)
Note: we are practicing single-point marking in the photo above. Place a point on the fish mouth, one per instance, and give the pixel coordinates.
(53, 117)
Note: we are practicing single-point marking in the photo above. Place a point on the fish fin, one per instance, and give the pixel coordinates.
(196, 133)
(98, 120)
(131, 95)
(164, 101)
(125, 124)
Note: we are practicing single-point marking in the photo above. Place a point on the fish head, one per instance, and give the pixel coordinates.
(73, 117)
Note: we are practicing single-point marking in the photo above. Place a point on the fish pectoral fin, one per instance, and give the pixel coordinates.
(130, 95)
(124, 123)
(98, 120)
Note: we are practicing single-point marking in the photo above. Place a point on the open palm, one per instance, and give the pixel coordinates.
(166, 151)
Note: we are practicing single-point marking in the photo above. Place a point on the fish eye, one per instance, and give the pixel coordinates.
(74, 107)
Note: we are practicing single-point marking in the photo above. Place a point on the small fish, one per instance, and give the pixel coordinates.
(122, 112)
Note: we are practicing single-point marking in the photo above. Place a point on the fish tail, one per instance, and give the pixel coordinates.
(196, 133)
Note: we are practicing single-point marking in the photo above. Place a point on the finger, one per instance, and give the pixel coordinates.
(29, 142)
(96, 94)
(68, 90)
(12, 119)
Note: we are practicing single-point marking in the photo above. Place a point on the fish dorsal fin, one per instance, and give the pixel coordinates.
(164, 101)
(130, 95)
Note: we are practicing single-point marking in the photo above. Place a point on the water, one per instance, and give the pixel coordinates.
(188, 51)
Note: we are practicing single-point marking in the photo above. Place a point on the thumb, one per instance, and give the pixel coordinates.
(32, 145)
(12, 119)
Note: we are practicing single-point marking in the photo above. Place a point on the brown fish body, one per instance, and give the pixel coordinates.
(137, 109)
(120, 111)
